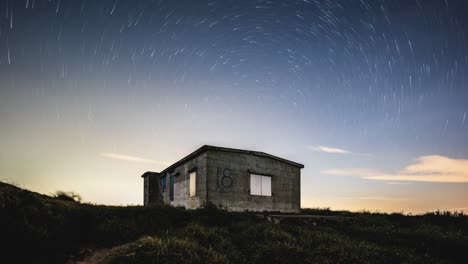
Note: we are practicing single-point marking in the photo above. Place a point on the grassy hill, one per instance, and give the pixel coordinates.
(37, 228)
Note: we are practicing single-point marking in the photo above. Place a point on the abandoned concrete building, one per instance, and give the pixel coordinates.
(234, 179)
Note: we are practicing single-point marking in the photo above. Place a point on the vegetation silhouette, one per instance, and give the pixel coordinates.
(43, 229)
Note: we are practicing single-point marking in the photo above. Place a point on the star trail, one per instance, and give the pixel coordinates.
(371, 95)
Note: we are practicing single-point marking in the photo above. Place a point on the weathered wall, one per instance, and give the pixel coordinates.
(151, 188)
(285, 182)
(182, 183)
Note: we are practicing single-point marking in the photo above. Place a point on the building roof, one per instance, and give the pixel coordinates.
(148, 173)
(242, 151)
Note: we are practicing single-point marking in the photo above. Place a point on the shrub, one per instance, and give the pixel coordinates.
(68, 196)
(43, 229)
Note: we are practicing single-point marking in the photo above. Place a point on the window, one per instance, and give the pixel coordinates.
(171, 188)
(193, 184)
(163, 183)
(146, 191)
(260, 185)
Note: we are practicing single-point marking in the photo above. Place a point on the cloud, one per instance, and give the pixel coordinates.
(359, 172)
(433, 168)
(329, 150)
(462, 209)
(382, 198)
(376, 198)
(125, 157)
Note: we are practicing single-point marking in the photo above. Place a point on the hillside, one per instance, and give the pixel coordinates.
(37, 228)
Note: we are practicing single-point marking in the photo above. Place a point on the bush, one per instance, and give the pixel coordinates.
(44, 229)
(68, 196)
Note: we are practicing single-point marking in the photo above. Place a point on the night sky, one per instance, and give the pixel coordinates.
(370, 95)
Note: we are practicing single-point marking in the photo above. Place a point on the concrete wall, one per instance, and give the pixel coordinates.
(285, 182)
(223, 178)
(151, 189)
(182, 183)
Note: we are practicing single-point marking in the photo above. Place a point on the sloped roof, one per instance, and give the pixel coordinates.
(242, 151)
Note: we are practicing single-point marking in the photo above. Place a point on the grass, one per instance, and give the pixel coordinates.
(44, 229)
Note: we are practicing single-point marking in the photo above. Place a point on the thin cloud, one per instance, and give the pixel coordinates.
(382, 198)
(358, 172)
(463, 209)
(433, 168)
(375, 198)
(130, 158)
(329, 150)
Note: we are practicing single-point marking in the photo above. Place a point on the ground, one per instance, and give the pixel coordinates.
(45, 229)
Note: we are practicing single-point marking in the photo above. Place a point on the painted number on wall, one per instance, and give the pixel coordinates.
(225, 178)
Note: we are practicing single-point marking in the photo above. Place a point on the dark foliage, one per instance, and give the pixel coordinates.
(41, 229)
(68, 196)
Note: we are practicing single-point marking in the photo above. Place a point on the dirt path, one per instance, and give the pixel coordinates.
(96, 257)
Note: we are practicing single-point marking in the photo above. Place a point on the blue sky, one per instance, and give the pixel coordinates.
(371, 96)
